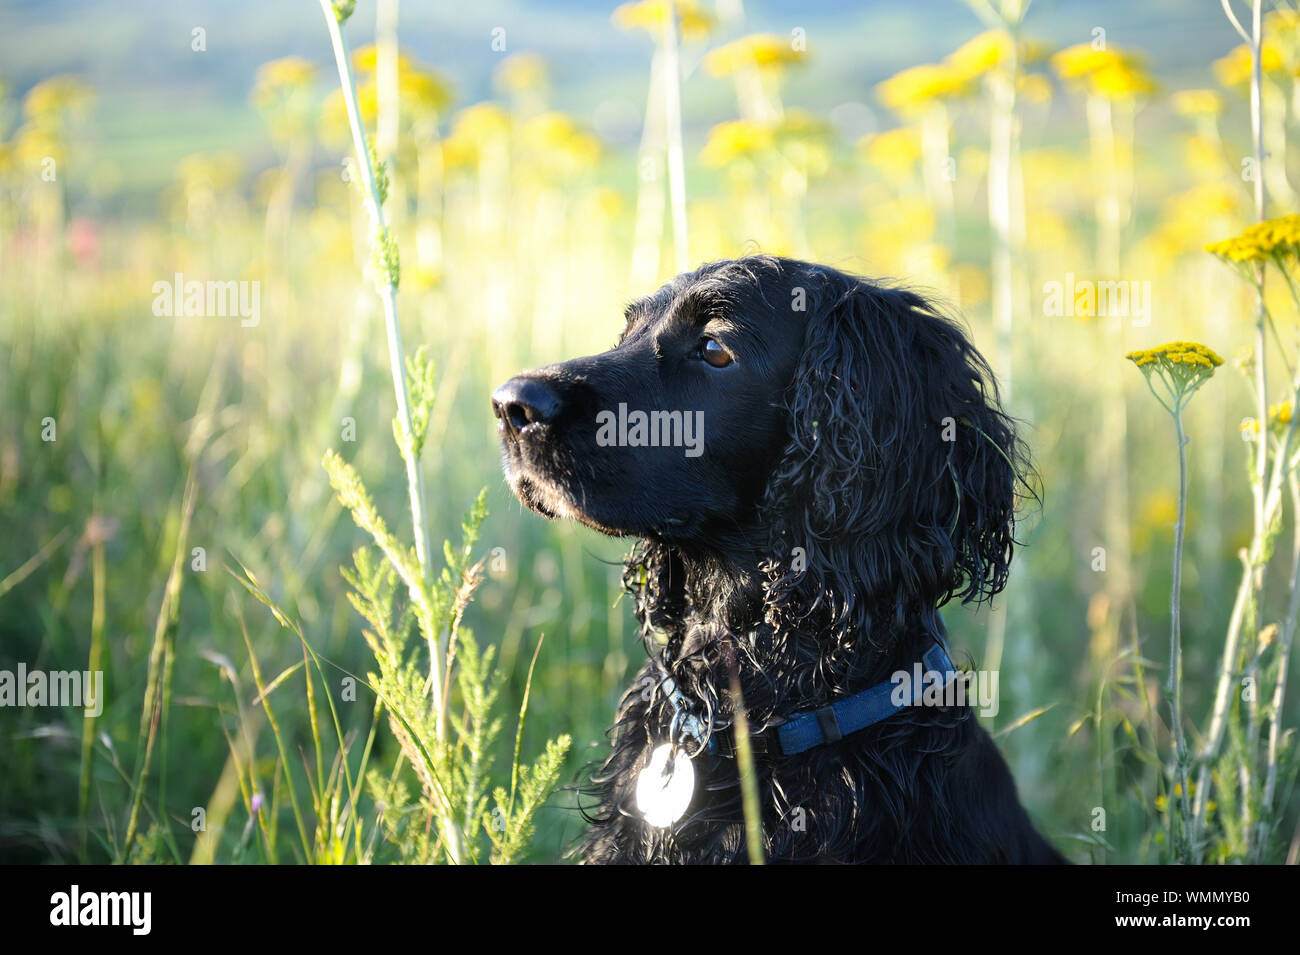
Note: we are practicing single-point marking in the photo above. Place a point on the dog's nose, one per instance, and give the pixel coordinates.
(522, 401)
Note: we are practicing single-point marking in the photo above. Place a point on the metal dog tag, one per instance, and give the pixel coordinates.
(664, 788)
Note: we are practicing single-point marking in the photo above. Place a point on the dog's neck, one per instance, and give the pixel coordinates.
(792, 640)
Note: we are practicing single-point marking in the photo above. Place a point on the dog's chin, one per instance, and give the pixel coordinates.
(539, 497)
(554, 503)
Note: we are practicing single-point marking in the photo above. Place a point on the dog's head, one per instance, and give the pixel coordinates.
(766, 405)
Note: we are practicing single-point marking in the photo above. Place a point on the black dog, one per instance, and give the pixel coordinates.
(812, 465)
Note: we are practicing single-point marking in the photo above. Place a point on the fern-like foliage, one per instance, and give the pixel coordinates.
(452, 758)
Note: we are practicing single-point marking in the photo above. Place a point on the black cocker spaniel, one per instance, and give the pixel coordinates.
(811, 464)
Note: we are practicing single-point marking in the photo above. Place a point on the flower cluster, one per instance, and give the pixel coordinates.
(1182, 367)
(1271, 239)
(1107, 73)
(1279, 419)
(1177, 353)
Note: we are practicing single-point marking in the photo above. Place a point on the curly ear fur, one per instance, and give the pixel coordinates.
(900, 478)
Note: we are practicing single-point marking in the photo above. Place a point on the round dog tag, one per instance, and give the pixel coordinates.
(664, 788)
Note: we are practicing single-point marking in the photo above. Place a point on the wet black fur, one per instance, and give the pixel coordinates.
(824, 446)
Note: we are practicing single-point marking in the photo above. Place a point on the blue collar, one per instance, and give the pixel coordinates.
(808, 730)
(832, 723)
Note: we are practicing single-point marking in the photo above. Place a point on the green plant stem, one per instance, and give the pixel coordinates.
(1182, 847)
(748, 783)
(673, 118)
(1251, 591)
(1279, 688)
(155, 692)
(93, 665)
(388, 296)
(1261, 460)
(387, 288)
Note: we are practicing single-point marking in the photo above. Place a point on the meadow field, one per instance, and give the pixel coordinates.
(194, 311)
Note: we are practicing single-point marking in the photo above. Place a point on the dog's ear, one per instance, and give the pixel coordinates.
(902, 473)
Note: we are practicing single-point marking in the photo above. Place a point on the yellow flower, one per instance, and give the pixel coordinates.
(693, 20)
(896, 151)
(1121, 80)
(482, 121)
(1279, 416)
(1163, 801)
(476, 127)
(1108, 73)
(798, 135)
(919, 86)
(51, 98)
(990, 50)
(288, 71)
(423, 90)
(1235, 68)
(365, 59)
(1181, 367)
(284, 90)
(1081, 59)
(521, 71)
(732, 140)
(555, 136)
(981, 53)
(766, 51)
(1272, 239)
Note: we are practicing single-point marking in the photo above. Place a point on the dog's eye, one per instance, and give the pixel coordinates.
(713, 353)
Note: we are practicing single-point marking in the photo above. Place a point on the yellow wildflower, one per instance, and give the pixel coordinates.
(557, 137)
(365, 59)
(766, 51)
(1181, 367)
(990, 50)
(1279, 416)
(982, 53)
(1108, 73)
(896, 151)
(693, 20)
(731, 140)
(422, 89)
(286, 72)
(919, 86)
(1082, 59)
(51, 98)
(1272, 239)
(1121, 80)
(477, 129)
(1235, 68)
(521, 71)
